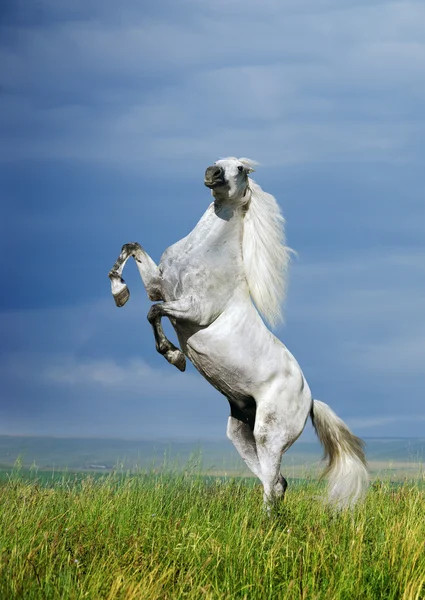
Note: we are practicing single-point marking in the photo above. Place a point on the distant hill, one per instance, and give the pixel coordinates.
(404, 456)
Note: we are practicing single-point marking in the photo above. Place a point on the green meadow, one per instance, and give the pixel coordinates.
(182, 535)
(167, 532)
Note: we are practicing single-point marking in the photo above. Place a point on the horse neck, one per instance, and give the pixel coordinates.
(221, 224)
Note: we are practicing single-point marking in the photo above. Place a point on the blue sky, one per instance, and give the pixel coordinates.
(109, 114)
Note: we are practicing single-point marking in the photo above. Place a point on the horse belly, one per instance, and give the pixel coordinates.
(229, 382)
(230, 355)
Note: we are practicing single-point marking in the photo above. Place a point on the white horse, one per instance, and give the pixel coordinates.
(213, 285)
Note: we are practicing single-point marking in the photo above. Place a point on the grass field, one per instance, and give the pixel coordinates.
(181, 535)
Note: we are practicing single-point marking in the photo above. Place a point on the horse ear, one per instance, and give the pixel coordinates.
(248, 164)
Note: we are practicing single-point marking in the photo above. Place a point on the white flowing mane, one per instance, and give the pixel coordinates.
(266, 257)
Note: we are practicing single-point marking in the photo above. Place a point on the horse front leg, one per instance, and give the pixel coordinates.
(148, 271)
(163, 345)
(183, 309)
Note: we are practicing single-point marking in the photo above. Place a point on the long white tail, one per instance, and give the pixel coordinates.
(346, 470)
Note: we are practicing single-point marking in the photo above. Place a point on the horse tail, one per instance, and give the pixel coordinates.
(346, 470)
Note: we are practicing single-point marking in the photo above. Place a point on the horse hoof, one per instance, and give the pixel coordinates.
(176, 358)
(122, 296)
(181, 362)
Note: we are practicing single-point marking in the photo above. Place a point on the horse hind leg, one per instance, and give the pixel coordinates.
(240, 433)
(275, 432)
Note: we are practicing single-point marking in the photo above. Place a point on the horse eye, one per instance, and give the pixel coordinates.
(240, 169)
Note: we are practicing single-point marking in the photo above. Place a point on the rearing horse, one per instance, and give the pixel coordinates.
(213, 285)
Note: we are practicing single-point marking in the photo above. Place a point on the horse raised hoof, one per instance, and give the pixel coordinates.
(176, 358)
(122, 297)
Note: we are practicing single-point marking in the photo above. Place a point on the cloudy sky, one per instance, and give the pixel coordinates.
(110, 112)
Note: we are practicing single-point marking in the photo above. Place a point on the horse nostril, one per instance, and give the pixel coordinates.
(214, 172)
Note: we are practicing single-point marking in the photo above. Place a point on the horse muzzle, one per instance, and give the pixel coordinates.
(214, 177)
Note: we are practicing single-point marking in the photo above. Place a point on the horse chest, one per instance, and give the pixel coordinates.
(197, 270)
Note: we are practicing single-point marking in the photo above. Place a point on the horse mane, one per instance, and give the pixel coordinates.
(265, 255)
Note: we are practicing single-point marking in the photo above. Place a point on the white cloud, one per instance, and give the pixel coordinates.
(363, 321)
(321, 82)
(133, 375)
(380, 421)
(400, 355)
(387, 286)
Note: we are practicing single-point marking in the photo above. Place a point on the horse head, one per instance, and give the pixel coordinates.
(228, 178)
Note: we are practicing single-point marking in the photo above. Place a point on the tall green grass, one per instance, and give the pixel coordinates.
(175, 536)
